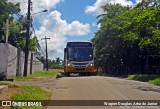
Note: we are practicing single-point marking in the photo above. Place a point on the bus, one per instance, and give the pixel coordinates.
(79, 59)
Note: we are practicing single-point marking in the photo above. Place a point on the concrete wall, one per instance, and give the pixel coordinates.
(37, 65)
(12, 61)
(3, 57)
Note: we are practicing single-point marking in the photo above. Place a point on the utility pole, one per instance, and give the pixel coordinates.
(27, 39)
(46, 52)
(31, 64)
(7, 28)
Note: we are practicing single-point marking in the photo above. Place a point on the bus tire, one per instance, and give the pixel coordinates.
(67, 74)
(88, 74)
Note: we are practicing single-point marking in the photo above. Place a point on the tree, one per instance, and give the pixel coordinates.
(127, 38)
(8, 8)
(17, 26)
(58, 60)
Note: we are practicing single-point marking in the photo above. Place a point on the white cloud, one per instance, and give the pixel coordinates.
(52, 25)
(38, 5)
(137, 1)
(96, 7)
(57, 29)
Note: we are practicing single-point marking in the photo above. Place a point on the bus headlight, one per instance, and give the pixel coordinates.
(90, 65)
(68, 64)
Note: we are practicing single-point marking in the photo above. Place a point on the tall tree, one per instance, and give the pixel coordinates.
(17, 26)
(127, 37)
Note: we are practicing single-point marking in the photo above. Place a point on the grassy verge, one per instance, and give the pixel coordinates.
(101, 74)
(28, 78)
(9, 85)
(37, 74)
(46, 73)
(153, 79)
(31, 93)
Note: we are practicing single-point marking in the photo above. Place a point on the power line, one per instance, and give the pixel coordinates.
(39, 47)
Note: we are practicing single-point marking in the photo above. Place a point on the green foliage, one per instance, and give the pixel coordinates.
(127, 38)
(155, 81)
(32, 43)
(4, 83)
(31, 93)
(6, 9)
(28, 78)
(57, 66)
(143, 77)
(9, 85)
(37, 74)
(46, 73)
(17, 26)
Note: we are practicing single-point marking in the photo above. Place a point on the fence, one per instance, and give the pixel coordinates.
(12, 62)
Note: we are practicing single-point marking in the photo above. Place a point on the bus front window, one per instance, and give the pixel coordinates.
(80, 54)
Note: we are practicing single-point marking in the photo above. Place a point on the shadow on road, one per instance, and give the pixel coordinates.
(145, 88)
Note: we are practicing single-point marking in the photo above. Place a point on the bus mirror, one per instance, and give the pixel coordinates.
(65, 50)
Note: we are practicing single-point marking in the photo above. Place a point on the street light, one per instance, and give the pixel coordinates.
(40, 12)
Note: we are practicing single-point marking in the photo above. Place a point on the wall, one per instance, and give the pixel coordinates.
(12, 61)
(37, 65)
(3, 59)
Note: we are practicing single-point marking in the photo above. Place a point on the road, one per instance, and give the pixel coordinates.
(101, 88)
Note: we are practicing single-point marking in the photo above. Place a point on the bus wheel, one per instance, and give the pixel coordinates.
(67, 74)
(94, 74)
(88, 74)
(81, 74)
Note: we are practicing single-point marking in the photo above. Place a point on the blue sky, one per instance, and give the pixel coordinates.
(66, 20)
(74, 10)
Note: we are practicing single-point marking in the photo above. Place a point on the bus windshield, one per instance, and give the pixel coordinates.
(80, 54)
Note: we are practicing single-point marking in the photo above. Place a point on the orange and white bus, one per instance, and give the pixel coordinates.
(79, 59)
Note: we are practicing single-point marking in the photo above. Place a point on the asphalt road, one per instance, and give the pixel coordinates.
(102, 88)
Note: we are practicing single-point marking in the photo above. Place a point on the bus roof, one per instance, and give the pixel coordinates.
(79, 44)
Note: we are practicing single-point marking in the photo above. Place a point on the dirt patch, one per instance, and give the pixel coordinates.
(6, 94)
(46, 83)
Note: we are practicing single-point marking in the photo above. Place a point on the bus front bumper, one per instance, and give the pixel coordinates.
(74, 70)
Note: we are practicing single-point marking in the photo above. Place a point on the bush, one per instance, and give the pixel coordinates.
(57, 66)
(155, 81)
(143, 77)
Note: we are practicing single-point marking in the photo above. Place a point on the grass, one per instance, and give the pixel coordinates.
(4, 83)
(31, 93)
(46, 73)
(9, 85)
(37, 74)
(153, 79)
(28, 78)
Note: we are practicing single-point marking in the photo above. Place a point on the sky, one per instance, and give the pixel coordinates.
(66, 20)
